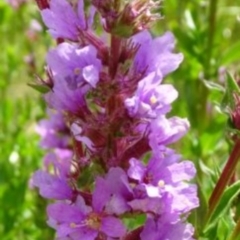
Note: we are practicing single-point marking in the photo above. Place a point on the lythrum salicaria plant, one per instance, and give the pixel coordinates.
(109, 170)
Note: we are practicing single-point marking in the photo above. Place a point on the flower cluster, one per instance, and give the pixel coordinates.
(107, 132)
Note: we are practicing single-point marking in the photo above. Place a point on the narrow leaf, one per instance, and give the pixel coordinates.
(231, 87)
(232, 54)
(224, 204)
(213, 86)
(39, 88)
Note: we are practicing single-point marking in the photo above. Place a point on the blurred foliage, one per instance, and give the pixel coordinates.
(207, 33)
(23, 46)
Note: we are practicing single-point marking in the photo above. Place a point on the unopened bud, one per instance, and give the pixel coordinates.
(136, 16)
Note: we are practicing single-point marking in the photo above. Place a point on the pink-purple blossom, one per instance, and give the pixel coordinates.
(78, 66)
(151, 98)
(163, 181)
(156, 54)
(51, 186)
(162, 229)
(53, 131)
(80, 221)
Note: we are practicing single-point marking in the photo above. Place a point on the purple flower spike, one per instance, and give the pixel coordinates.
(107, 134)
(63, 21)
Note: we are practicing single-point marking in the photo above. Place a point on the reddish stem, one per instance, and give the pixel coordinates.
(98, 44)
(42, 4)
(225, 177)
(135, 234)
(114, 55)
(137, 150)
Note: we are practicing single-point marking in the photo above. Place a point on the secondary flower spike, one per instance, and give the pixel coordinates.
(109, 161)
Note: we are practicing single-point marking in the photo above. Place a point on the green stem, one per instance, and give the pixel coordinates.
(201, 88)
(225, 177)
(211, 32)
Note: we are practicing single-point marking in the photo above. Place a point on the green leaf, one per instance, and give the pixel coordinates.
(189, 19)
(226, 200)
(39, 88)
(232, 84)
(228, 98)
(213, 86)
(232, 54)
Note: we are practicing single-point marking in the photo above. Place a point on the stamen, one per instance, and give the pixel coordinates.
(93, 221)
(74, 225)
(161, 183)
(153, 99)
(77, 71)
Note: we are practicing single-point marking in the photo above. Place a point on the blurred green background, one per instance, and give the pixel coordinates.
(208, 34)
(23, 46)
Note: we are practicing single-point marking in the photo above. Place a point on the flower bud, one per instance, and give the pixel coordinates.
(135, 17)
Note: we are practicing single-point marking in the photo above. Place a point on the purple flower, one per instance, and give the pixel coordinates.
(150, 98)
(56, 185)
(64, 98)
(166, 131)
(74, 71)
(163, 228)
(78, 66)
(77, 133)
(51, 186)
(53, 131)
(155, 54)
(166, 181)
(64, 22)
(79, 221)
(60, 161)
(113, 191)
